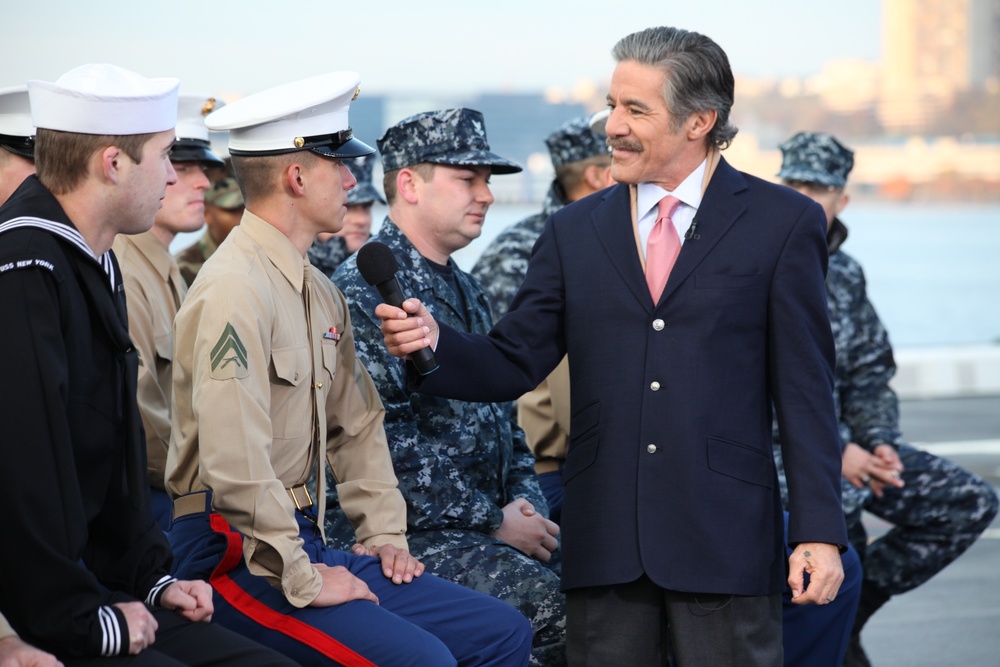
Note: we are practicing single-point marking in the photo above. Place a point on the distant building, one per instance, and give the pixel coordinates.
(934, 49)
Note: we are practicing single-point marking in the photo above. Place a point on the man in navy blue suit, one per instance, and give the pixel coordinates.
(672, 518)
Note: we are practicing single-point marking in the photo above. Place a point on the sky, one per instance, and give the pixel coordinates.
(229, 48)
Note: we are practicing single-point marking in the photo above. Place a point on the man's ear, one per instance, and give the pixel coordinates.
(406, 185)
(700, 123)
(108, 163)
(597, 177)
(294, 179)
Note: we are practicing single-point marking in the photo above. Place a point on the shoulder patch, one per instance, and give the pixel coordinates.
(229, 356)
(27, 264)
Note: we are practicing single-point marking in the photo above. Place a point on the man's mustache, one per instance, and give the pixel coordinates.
(621, 144)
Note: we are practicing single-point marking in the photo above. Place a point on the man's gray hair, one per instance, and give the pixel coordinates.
(697, 74)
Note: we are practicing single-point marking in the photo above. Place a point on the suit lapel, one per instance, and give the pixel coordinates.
(719, 209)
(613, 223)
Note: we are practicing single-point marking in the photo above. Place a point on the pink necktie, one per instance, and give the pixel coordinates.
(662, 247)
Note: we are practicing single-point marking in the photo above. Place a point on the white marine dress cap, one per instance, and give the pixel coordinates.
(17, 134)
(104, 99)
(311, 114)
(192, 143)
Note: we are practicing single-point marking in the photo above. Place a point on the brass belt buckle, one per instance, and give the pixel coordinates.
(293, 492)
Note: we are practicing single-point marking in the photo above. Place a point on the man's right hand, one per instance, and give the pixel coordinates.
(403, 334)
(141, 626)
(525, 529)
(340, 586)
(16, 653)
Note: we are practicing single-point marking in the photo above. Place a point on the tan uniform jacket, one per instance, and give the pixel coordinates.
(243, 405)
(154, 291)
(543, 413)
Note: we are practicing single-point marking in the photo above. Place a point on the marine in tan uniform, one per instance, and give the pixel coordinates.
(268, 391)
(155, 289)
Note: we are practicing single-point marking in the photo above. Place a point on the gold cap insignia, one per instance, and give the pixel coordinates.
(357, 91)
(299, 142)
(208, 107)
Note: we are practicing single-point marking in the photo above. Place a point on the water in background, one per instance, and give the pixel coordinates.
(933, 270)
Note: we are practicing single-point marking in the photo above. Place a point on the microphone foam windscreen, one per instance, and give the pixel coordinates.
(376, 263)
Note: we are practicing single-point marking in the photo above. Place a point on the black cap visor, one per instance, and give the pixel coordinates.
(22, 146)
(194, 150)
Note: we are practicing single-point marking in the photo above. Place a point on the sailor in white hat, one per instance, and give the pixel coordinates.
(93, 568)
(94, 120)
(17, 140)
(268, 391)
(154, 287)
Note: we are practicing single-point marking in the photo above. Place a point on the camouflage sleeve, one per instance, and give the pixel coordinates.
(437, 494)
(869, 407)
(501, 268)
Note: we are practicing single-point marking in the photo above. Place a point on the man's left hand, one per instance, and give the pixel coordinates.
(826, 573)
(397, 564)
(190, 599)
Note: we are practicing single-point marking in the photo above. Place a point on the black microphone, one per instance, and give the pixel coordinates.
(378, 267)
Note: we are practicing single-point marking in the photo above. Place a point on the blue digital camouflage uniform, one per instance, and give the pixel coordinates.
(501, 268)
(328, 255)
(942, 509)
(458, 463)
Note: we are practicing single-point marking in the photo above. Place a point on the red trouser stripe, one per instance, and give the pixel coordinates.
(264, 615)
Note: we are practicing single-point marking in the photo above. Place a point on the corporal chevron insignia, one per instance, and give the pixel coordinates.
(229, 356)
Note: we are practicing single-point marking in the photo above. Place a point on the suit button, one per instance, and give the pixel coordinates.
(651, 449)
(658, 325)
(655, 386)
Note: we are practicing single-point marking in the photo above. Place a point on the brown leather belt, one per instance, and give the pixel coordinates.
(199, 503)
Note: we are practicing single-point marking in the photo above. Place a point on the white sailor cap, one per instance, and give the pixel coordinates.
(104, 99)
(17, 134)
(307, 115)
(192, 144)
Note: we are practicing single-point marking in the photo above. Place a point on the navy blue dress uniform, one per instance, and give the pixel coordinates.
(72, 425)
(79, 537)
(267, 392)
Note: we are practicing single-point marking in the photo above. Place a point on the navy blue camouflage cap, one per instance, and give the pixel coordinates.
(454, 137)
(573, 142)
(813, 157)
(364, 192)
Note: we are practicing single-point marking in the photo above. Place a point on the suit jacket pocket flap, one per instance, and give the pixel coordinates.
(741, 462)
